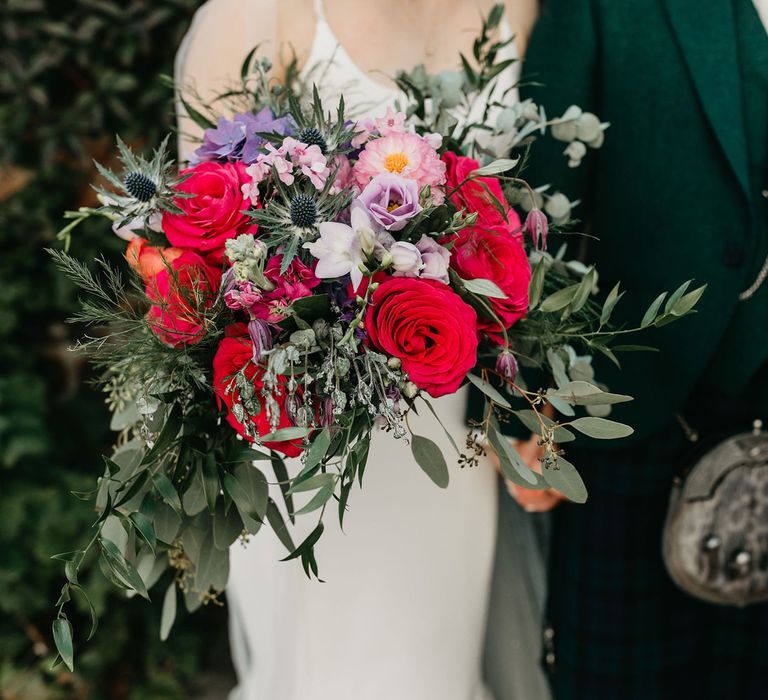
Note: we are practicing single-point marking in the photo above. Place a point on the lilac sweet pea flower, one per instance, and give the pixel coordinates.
(436, 259)
(391, 200)
(225, 142)
(263, 122)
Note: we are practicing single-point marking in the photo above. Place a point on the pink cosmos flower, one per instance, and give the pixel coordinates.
(408, 155)
(391, 123)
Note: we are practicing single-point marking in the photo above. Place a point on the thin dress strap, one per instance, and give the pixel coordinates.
(320, 10)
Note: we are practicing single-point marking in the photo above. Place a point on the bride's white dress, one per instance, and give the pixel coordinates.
(403, 609)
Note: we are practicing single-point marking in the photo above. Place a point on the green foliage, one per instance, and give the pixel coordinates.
(73, 74)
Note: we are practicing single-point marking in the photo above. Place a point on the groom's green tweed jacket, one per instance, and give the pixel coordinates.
(669, 194)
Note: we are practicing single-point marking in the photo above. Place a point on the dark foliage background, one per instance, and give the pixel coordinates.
(72, 74)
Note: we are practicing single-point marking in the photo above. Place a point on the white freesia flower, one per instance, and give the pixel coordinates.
(363, 228)
(338, 252)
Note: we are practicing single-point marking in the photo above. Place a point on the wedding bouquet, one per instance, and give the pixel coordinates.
(310, 280)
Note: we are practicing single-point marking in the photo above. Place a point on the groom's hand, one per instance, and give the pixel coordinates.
(533, 501)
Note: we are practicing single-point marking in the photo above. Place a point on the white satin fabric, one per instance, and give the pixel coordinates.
(402, 612)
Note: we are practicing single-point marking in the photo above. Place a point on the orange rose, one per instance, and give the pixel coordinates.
(147, 259)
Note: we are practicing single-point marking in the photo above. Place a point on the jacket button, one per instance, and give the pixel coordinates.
(733, 255)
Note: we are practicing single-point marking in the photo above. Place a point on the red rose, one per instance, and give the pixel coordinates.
(478, 194)
(428, 327)
(214, 214)
(495, 254)
(235, 353)
(182, 292)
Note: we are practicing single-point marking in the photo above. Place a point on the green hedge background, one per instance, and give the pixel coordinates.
(72, 74)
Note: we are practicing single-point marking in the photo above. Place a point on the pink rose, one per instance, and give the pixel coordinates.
(181, 294)
(428, 327)
(214, 214)
(496, 254)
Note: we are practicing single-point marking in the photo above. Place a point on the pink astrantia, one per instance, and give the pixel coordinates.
(407, 155)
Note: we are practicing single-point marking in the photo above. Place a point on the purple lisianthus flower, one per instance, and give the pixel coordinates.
(224, 143)
(436, 259)
(391, 200)
(263, 122)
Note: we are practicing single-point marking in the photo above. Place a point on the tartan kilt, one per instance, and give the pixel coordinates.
(622, 629)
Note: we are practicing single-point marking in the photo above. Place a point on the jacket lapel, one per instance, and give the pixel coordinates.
(707, 37)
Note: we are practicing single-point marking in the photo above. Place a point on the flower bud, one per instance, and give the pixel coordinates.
(506, 365)
(537, 227)
(588, 127)
(558, 207)
(394, 363)
(406, 259)
(258, 330)
(575, 151)
(410, 390)
(386, 260)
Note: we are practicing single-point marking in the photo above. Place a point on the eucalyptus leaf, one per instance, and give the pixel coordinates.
(430, 458)
(566, 479)
(560, 299)
(168, 615)
(278, 525)
(212, 565)
(536, 285)
(227, 525)
(62, 637)
(512, 465)
(314, 482)
(582, 393)
(500, 165)
(600, 428)
(613, 298)
(318, 448)
(165, 488)
(122, 569)
(143, 526)
(284, 434)
(653, 309)
(484, 288)
(320, 498)
(490, 391)
(685, 304)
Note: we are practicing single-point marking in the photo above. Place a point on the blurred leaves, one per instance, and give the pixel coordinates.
(73, 73)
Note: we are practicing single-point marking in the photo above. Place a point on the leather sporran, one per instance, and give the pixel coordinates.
(716, 533)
